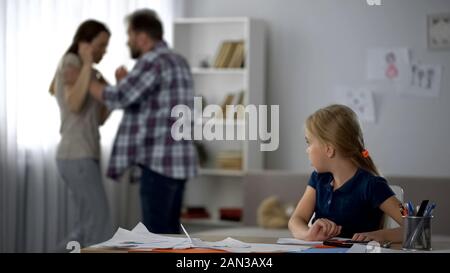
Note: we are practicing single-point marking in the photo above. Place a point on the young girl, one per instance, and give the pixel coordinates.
(345, 191)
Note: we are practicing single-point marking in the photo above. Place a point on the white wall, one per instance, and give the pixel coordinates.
(314, 45)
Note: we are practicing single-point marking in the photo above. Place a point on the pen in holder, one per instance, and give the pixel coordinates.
(417, 232)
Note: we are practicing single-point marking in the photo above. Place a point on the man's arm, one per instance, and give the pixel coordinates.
(129, 90)
(104, 114)
(103, 111)
(96, 88)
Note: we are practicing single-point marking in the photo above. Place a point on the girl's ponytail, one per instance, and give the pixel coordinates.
(364, 161)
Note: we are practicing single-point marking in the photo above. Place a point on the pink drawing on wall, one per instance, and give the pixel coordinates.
(391, 70)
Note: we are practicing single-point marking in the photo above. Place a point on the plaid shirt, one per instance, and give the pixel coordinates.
(159, 81)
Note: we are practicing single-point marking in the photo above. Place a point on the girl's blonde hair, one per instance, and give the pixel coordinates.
(338, 125)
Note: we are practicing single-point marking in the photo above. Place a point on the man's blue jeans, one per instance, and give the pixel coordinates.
(161, 200)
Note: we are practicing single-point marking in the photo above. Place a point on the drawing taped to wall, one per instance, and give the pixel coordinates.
(391, 69)
(359, 100)
(387, 63)
(422, 80)
(439, 31)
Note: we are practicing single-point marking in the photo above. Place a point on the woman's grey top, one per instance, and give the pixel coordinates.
(80, 137)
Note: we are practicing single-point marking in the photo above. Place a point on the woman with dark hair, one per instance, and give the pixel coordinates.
(78, 152)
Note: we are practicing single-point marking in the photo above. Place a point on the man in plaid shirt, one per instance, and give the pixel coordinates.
(159, 81)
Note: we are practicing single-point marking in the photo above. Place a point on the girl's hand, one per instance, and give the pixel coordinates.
(85, 52)
(367, 236)
(323, 229)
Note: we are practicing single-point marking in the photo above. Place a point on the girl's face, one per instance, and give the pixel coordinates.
(317, 153)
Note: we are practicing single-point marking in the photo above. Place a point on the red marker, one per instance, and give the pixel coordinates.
(403, 210)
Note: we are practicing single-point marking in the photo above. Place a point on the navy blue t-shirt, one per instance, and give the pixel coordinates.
(355, 205)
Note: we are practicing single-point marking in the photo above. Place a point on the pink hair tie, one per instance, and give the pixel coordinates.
(365, 153)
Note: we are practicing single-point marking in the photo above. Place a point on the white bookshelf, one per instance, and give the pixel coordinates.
(199, 39)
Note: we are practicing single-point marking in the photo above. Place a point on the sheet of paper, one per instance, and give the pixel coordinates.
(387, 63)
(422, 80)
(140, 237)
(185, 232)
(326, 250)
(140, 228)
(266, 248)
(292, 241)
(372, 247)
(228, 243)
(358, 248)
(360, 100)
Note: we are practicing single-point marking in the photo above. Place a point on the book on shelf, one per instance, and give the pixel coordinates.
(230, 55)
(219, 55)
(231, 214)
(227, 101)
(195, 213)
(237, 59)
(239, 98)
(232, 99)
(229, 160)
(222, 54)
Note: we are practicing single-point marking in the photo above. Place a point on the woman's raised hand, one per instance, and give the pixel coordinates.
(85, 52)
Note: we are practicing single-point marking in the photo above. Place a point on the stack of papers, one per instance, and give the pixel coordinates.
(140, 238)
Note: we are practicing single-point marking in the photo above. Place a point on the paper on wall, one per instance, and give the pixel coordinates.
(387, 63)
(421, 80)
(360, 100)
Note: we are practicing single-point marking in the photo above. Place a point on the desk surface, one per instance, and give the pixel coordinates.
(439, 243)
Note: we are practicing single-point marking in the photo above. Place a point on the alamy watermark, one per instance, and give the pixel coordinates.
(74, 246)
(240, 122)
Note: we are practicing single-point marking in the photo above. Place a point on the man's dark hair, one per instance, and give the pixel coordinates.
(147, 21)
